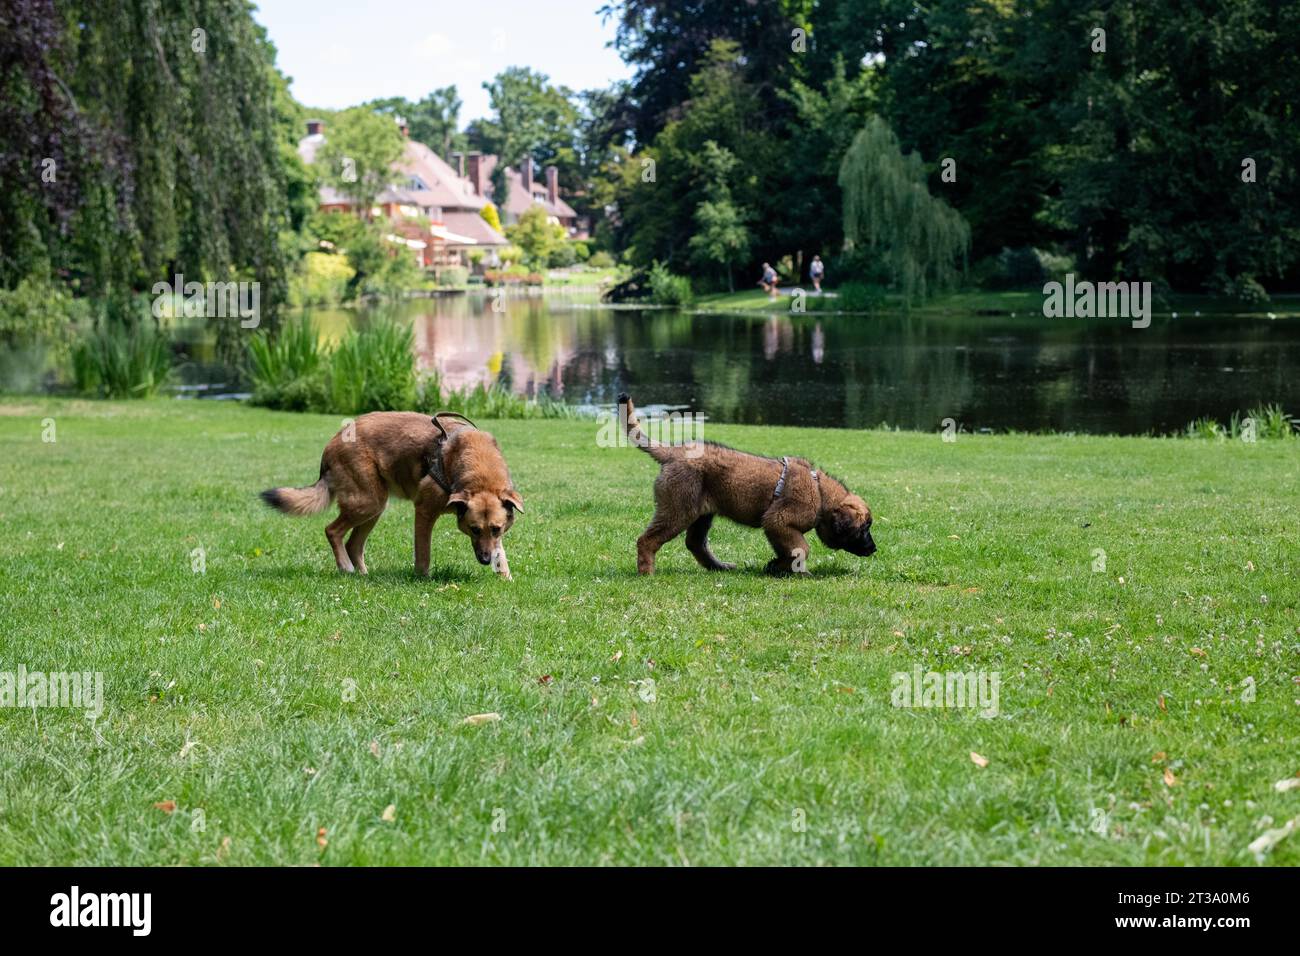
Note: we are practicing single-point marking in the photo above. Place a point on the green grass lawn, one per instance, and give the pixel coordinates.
(293, 706)
(1020, 302)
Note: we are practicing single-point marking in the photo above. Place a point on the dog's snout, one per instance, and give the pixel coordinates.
(483, 558)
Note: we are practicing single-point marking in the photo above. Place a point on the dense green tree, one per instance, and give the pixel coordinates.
(889, 213)
(721, 237)
(537, 236)
(163, 126)
(357, 156)
(662, 187)
(431, 120)
(531, 117)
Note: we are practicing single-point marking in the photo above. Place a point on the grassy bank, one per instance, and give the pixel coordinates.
(1020, 302)
(1146, 710)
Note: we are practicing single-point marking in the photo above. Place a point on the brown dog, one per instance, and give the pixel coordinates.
(437, 463)
(784, 496)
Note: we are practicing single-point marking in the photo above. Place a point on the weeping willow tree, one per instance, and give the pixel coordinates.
(888, 211)
(139, 139)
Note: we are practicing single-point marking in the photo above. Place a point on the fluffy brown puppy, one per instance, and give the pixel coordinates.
(412, 456)
(785, 497)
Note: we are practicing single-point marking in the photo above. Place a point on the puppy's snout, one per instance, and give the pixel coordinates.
(864, 546)
(483, 557)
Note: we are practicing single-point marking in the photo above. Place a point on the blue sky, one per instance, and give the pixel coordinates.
(343, 52)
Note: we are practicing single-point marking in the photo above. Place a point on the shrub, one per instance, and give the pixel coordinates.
(323, 279)
(490, 216)
(38, 323)
(669, 289)
(1269, 423)
(1022, 267)
(489, 401)
(601, 260)
(562, 256)
(452, 277)
(288, 369)
(860, 297)
(1244, 289)
(115, 361)
(373, 369)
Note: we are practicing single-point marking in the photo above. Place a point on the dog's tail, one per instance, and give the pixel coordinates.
(300, 501)
(656, 450)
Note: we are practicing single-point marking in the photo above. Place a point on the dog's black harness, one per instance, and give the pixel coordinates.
(433, 463)
(780, 483)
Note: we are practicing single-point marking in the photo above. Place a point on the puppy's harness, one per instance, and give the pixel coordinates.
(433, 464)
(780, 483)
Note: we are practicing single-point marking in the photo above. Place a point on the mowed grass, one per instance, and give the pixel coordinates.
(292, 705)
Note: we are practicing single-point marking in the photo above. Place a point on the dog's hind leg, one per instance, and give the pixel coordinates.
(697, 541)
(334, 533)
(357, 543)
(663, 528)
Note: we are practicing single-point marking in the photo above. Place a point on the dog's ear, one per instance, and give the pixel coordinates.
(510, 498)
(459, 500)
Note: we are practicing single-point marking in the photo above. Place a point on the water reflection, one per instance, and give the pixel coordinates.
(996, 372)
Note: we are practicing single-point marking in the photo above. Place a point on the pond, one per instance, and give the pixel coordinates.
(910, 371)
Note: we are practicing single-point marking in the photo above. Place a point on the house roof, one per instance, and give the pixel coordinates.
(474, 226)
(441, 186)
(431, 182)
(445, 187)
(520, 199)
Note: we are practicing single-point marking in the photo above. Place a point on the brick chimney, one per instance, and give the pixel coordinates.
(315, 127)
(552, 185)
(526, 172)
(476, 170)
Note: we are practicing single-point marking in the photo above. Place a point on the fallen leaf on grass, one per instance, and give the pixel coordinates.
(1161, 701)
(1170, 779)
(320, 838)
(1198, 652)
(389, 814)
(374, 748)
(618, 656)
(475, 719)
(1159, 757)
(544, 679)
(166, 806)
(1290, 783)
(978, 760)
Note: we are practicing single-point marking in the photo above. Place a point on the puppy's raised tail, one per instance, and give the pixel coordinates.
(659, 452)
(300, 501)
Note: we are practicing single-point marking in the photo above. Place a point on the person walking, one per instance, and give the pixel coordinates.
(816, 270)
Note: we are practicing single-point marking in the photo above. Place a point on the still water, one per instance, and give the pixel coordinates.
(996, 372)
